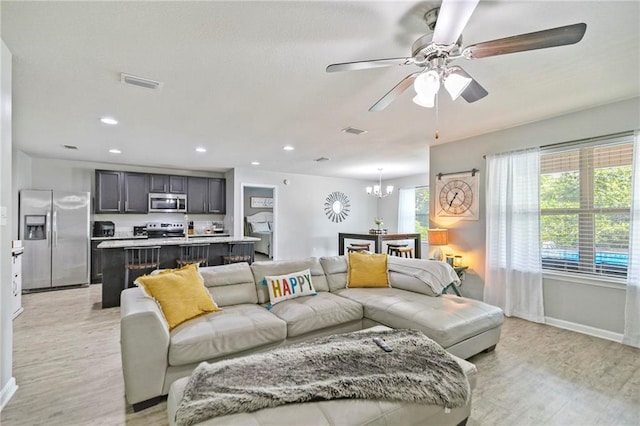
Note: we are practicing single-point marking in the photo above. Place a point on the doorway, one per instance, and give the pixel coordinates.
(259, 218)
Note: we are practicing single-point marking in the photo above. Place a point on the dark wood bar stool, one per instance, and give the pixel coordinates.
(143, 259)
(193, 253)
(393, 249)
(355, 247)
(239, 251)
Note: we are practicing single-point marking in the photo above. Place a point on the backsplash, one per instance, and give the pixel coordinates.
(125, 222)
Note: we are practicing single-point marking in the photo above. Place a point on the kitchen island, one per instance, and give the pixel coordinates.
(113, 258)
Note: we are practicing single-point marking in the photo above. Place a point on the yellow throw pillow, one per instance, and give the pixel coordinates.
(181, 294)
(367, 270)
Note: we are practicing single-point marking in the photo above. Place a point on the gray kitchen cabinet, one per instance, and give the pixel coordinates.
(96, 263)
(206, 195)
(108, 191)
(166, 184)
(121, 192)
(197, 195)
(217, 195)
(136, 193)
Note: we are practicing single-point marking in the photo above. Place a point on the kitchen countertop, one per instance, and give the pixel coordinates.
(119, 237)
(209, 239)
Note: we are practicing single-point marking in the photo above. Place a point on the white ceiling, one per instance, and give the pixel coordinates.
(243, 79)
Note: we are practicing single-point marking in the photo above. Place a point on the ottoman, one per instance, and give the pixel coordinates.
(340, 411)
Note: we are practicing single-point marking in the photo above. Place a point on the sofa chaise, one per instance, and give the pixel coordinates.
(153, 357)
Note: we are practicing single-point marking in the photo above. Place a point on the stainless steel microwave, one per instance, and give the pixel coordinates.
(167, 203)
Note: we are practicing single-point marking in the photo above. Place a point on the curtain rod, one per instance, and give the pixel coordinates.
(472, 171)
(585, 140)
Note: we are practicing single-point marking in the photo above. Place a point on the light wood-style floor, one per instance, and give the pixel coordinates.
(67, 365)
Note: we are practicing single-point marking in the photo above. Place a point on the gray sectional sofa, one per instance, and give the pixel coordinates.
(153, 357)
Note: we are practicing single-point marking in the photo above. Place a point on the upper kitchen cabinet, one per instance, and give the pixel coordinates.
(121, 192)
(206, 195)
(167, 184)
(217, 195)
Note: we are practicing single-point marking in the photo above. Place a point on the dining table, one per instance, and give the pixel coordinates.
(378, 240)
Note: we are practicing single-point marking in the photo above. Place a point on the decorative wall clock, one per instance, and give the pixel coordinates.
(336, 206)
(457, 195)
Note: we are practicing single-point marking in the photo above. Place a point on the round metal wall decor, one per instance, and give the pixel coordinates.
(336, 206)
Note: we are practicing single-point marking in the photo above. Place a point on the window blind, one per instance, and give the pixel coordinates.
(585, 202)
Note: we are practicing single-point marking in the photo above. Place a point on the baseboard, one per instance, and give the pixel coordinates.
(7, 392)
(584, 329)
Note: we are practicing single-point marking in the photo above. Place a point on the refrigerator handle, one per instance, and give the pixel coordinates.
(48, 228)
(55, 228)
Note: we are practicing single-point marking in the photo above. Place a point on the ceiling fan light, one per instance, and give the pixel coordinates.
(425, 101)
(455, 84)
(427, 83)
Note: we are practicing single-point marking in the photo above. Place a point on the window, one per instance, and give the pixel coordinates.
(585, 202)
(422, 211)
(413, 211)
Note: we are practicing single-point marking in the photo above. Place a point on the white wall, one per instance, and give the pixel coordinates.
(302, 228)
(7, 381)
(564, 301)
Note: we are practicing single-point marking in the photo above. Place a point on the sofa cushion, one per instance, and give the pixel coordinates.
(447, 320)
(236, 328)
(230, 284)
(290, 286)
(282, 267)
(180, 293)
(367, 270)
(335, 269)
(310, 313)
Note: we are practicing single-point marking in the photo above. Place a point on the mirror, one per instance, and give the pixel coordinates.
(336, 206)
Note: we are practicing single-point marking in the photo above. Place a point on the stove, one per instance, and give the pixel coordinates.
(164, 230)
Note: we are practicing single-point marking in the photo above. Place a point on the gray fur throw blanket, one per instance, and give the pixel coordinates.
(340, 366)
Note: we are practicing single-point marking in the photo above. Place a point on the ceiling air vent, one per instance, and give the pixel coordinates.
(353, 130)
(321, 159)
(70, 146)
(139, 81)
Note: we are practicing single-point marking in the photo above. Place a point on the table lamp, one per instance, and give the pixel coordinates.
(438, 237)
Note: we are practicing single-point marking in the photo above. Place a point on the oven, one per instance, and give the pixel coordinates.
(164, 230)
(167, 203)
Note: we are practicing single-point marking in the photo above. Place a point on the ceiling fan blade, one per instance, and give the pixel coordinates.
(375, 63)
(452, 18)
(552, 37)
(394, 93)
(474, 91)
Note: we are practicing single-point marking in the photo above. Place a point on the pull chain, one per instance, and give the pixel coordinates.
(437, 116)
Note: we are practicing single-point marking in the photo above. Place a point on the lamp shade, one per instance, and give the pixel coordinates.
(438, 237)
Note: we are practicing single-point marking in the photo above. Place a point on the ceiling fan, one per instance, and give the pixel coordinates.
(434, 53)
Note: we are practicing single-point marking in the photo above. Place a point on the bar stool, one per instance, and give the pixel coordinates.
(239, 251)
(356, 247)
(140, 258)
(405, 252)
(193, 253)
(393, 249)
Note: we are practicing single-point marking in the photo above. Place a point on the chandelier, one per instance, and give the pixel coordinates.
(376, 190)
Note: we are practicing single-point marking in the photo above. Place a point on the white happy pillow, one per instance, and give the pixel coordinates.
(283, 287)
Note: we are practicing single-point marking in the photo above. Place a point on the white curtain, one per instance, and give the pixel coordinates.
(406, 210)
(513, 266)
(632, 306)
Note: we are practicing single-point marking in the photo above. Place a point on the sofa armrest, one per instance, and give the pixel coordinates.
(144, 341)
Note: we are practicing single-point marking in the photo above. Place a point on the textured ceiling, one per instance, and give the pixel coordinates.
(243, 79)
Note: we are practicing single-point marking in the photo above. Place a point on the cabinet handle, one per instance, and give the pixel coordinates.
(118, 205)
(164, 187)
(126, 205)
(204, 206)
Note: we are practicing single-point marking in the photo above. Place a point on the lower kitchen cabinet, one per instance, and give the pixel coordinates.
(96, 263)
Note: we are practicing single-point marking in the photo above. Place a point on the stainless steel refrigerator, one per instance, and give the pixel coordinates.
(54, 228)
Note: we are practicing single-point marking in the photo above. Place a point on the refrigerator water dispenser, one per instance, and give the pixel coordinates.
(35, 226)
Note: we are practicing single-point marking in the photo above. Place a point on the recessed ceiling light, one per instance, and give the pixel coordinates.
(115, 151)
(109, 120)
(201, 149)
(288, 148)
(255, 163)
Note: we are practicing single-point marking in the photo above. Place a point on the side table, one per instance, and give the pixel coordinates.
(460, 270)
